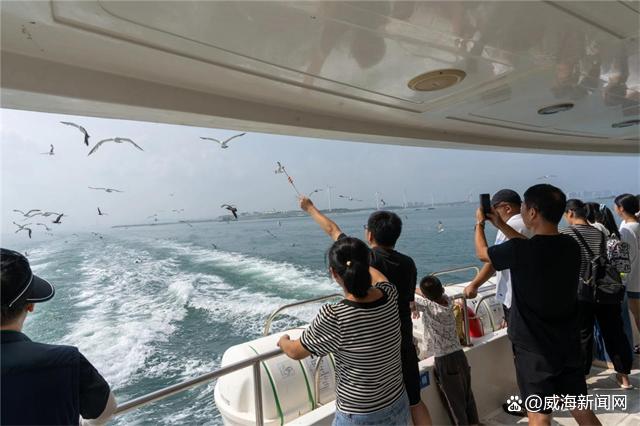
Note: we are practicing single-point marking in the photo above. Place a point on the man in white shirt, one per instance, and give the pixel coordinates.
(506, 203)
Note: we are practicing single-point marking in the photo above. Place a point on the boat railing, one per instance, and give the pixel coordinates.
(274, 314)
(456, 270)
(255, 361)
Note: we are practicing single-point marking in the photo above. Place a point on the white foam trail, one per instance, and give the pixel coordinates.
(126, 307)
(278, 274)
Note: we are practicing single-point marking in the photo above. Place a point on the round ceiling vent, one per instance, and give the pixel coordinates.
(627, 123)
(436, 80)
(554, 109)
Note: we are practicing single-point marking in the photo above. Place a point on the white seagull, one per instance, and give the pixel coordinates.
(100, 212)
(109, 190)
(223, 144)
(546, 177)
(348, 198)
(114, 140)
(23, 228)
(50, 151)
(30, 213)
(79, 127)
(45, 226)
(314, 191)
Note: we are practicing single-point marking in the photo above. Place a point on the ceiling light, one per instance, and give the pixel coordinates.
(554, 109)
(436, 80)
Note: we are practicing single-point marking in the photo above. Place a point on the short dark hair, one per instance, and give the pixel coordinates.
(577, 207)
(548, 200)
(349, 259)
(431, 287)
(385, 227)
(9, 314)
(628, 202)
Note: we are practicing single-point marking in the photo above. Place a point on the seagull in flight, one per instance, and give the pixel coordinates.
(185, 222)
(45, 226)
(232, 209)
(23, 228)
(30, 213)
(223, 144)
(270, 233)
(314, 191)
(348, 198)
(47, 214)
(280, 169)
(58, 219)
(177, 210)
(109, 190)
(100, 212)
(79, 127)
(114, 140)
(50, 151)
(546, 177)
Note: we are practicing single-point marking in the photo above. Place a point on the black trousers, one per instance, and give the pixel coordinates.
(609, 318)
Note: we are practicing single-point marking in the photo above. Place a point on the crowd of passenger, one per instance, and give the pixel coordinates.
(556, 287)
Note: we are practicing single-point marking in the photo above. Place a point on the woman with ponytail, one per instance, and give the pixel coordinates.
(362, 331)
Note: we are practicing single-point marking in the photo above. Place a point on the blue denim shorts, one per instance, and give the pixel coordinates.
(397, 413)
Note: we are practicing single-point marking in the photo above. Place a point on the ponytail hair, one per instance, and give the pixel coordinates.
(608, 221)
(349, 259)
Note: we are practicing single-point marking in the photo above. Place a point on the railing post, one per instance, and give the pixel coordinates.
(257, 393)
(465, 316)
(316, 384)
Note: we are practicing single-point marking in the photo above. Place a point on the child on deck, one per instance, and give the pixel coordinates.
(452, 372)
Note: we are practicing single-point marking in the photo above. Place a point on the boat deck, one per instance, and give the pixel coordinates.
(600, 382)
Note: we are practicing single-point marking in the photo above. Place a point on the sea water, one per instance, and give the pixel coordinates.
(153, 306)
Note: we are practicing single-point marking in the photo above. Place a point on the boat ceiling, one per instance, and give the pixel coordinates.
(338, 70)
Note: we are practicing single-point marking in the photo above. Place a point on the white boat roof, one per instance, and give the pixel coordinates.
(338, 70)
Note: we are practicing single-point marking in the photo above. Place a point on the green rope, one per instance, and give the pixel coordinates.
(273, 387)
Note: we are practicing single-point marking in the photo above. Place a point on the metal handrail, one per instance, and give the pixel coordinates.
(454, 270)
(179, 387)
(479, 302)
(274, 314)
(255, 361)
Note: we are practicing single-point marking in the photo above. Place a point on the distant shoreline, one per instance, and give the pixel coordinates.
(297, 213)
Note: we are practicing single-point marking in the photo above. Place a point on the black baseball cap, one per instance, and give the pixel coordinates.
(18, 284)
(506, 196)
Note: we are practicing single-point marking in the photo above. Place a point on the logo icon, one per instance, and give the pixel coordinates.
(514, 404)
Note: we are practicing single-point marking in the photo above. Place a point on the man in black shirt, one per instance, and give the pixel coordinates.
(381, 232)
(42, 384)
(543, 322)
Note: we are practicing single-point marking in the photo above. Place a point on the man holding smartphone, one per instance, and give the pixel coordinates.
(543, 325)
(506, 204)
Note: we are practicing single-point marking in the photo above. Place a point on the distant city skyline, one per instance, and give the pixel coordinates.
(180, 176)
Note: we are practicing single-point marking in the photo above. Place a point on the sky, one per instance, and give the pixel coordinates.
(201, 176)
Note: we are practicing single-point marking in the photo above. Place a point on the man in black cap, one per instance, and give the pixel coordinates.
(506, 203)
(42, 384)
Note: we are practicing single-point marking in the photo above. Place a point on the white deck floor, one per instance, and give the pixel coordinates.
(601, 382)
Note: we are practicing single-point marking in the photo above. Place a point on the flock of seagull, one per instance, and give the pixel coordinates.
(86, 138)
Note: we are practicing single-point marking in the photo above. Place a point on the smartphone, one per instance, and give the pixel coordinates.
(485, 203)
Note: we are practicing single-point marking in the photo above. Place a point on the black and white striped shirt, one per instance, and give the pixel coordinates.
(365, 341)
(592, 236)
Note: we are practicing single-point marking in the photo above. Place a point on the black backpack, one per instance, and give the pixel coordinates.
(602, 280)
